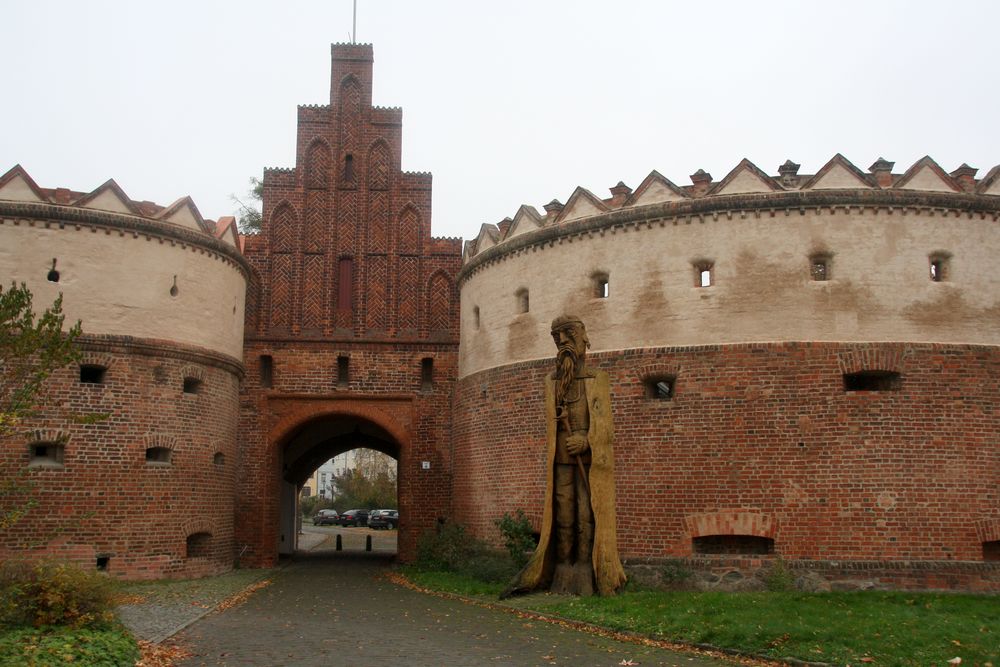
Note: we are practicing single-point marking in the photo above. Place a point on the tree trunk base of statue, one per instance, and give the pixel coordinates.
(573, 579)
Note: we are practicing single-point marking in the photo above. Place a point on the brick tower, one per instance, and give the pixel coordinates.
(352, 318)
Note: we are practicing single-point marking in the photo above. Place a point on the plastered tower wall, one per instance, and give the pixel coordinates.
(147, 491)
(761, 446)
(352, 304)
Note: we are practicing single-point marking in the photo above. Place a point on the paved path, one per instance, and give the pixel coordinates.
(336, 609)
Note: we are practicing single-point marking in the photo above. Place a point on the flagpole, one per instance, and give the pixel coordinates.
(354, 25)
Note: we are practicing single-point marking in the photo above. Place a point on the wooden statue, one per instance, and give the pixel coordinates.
(577, 552)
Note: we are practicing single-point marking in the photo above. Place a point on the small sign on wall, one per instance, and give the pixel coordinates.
(426, 465)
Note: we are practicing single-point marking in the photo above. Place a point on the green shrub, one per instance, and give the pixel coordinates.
(518, 537)
(446, 549)
(779, 578)
(452, 549)
(53, 593)
(55, 647)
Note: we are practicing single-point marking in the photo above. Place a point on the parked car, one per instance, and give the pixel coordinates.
(353, 518)
(325, 517)
(383, 519)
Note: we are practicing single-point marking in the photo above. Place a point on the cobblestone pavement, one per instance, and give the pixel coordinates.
(335, 609)
(156, 610)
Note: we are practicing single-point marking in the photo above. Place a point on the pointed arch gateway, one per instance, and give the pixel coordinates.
(312, 431)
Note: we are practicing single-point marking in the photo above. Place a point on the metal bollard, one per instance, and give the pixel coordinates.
(368, 543)
(340, 545)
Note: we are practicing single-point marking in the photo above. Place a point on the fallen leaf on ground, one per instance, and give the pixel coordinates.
(242, 596)
(130, 599)
(160, 655)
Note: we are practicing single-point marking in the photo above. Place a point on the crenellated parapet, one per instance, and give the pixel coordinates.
(745, 188)
(839, 255)
(126, 267)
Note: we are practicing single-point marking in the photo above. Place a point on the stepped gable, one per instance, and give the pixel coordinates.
(745, 178)
(346, 245)
(656, 188)
(925, 174)
(838, 173)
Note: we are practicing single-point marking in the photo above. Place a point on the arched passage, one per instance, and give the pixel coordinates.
(304, 447)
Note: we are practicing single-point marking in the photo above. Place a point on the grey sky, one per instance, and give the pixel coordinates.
(505, 102)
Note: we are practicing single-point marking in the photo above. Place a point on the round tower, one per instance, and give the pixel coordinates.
(143, 486)
(802, 366)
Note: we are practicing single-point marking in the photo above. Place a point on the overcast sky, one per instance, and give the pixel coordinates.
(505, 102)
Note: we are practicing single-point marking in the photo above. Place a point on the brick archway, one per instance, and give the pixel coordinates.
(293, 413)
(306, 431)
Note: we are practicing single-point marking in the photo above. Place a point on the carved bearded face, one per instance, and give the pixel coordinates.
(571, 342)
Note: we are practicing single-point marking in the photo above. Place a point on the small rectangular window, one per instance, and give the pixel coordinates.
(872, 381)
(158, 455)
(343, 371)
(601, 286)
(703, 274)
(521, 296)
(426, 373)
(939, 266)
(732, 544)
(192, 386)
(937, 270)
(819, 268)
(47, 454)
(92, 374)
(266, 371)
(660, 388)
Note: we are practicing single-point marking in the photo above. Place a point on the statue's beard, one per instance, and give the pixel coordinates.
(567, 363)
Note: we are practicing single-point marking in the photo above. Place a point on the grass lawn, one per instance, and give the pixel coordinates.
(880, 628)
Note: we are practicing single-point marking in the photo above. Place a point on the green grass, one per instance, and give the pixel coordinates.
(452, 582)
(102, 646)
(840, 628)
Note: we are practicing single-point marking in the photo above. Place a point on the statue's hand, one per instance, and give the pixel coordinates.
(577, 444)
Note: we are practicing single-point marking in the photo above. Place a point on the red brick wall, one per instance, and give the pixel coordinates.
(384, 391)
(762, 439)
(403, 307)
(107, 499)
